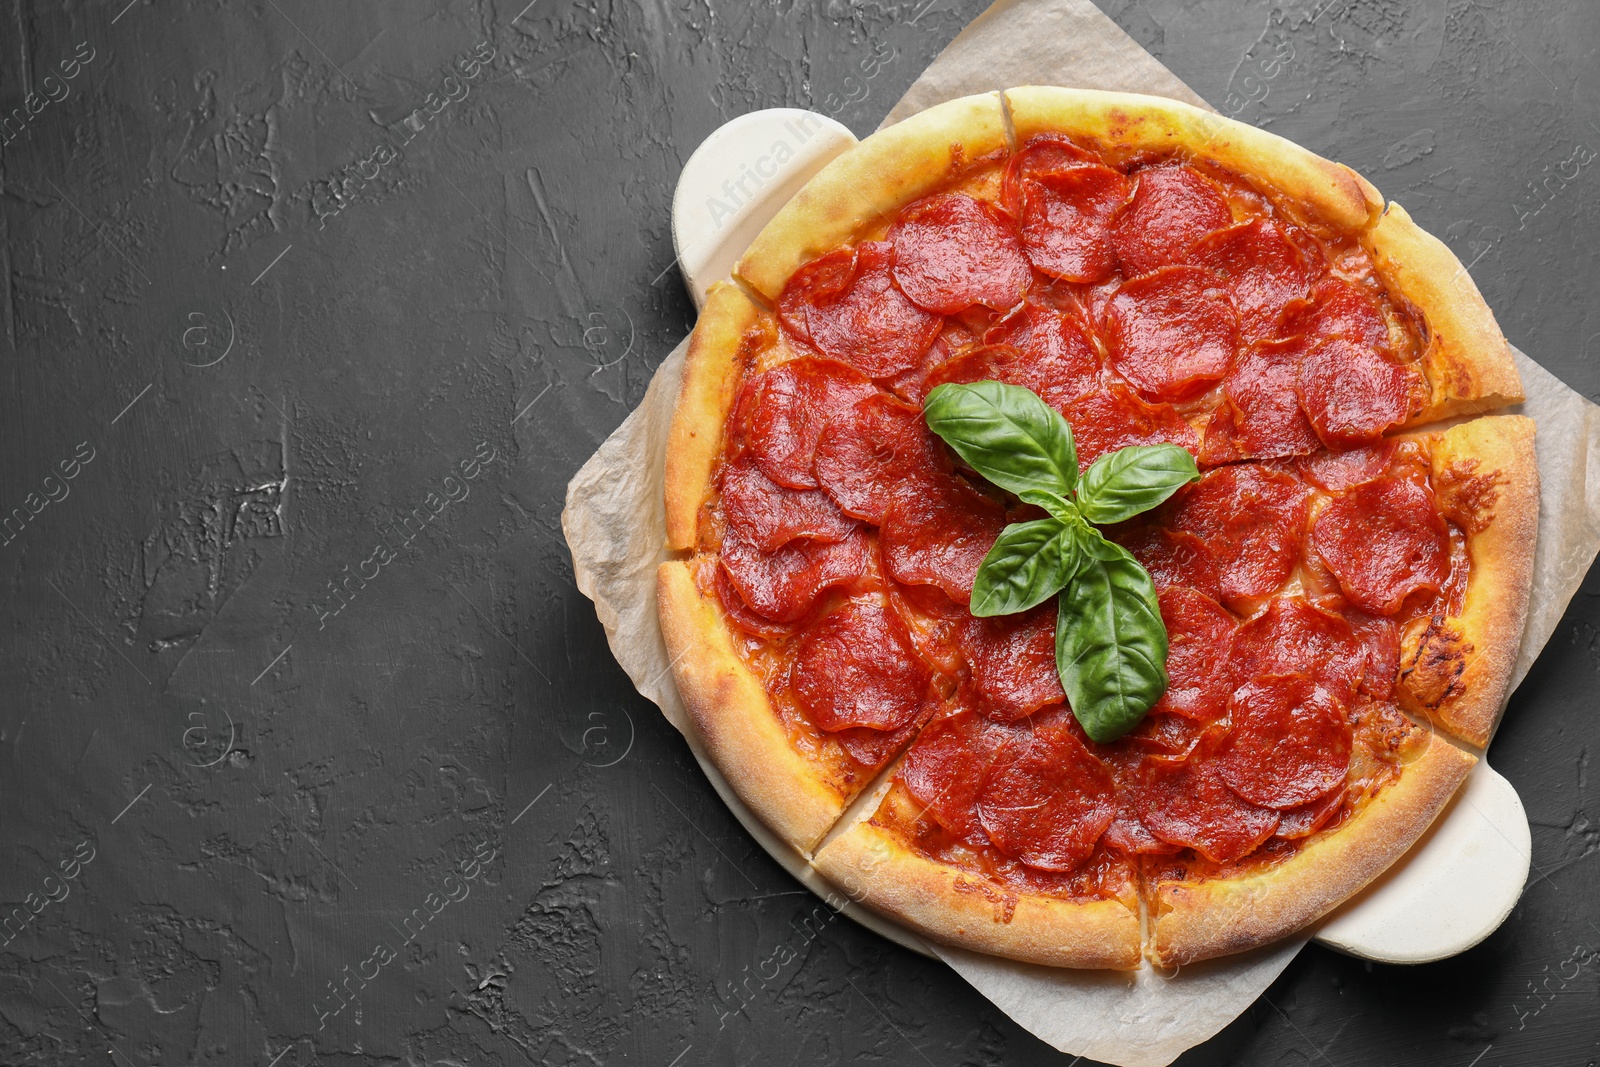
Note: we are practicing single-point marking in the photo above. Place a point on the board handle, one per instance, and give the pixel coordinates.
(738, 179)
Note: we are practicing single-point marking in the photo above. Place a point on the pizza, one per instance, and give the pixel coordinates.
(1342, 583)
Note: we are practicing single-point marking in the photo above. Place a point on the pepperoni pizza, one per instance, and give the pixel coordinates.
(1343, 588)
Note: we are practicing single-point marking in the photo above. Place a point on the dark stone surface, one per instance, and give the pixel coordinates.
(270, 370)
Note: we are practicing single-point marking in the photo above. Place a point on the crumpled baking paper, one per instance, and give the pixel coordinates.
(614, 522)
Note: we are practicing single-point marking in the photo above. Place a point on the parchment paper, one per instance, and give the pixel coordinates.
(615, 526)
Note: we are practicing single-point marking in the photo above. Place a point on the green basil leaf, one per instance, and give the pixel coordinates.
(1028, 564)
(1007, 434)
(1111, 645)
(1064, 510)
(1121, 484)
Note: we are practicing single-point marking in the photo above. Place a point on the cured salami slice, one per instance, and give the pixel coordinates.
(934, 622)
(1049, 804)
(1289, 745)
(1252, 519)
(1057, 384)
(1383, 540)
(1041, 155)
(940, 537)
(739, 612)
(1381, 639)
(1064, 217)
(845, 305)
(1012, 662)
(768, 515)
(782, 586)
(1264, 270)
(1127, 832)
(946, 767)
(1307, 819)
(782, 413)
(1167, 735)
(873, 748)
(873, 450)
(1266, 416)
(1114, 417)
(1294, 637)
(1061, 361)
(1172, 207)
(1338, 308)
(1199, 642)
(1172, 333)
(951, 252)
(1173, 558)
(1336, 471)
(1187, 804)
(855, 668)
(1352, 395)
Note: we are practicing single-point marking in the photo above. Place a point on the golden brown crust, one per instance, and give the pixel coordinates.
(735, 719)
(1131, 123)
(711, 372)
(1467, 360)
(872, 181)
(1456, 669)
(1199, 920)
(963, 909)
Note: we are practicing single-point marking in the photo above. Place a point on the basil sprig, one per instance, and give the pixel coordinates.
(1111, 645)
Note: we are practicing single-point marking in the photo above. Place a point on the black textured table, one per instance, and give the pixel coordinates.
(312, 751)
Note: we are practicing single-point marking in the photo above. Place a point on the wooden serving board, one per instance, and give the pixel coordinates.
(1452, 890)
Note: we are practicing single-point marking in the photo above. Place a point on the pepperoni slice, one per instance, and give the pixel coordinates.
(1187, 804)
(1293, 636)
(1263, 268)
(1251, 519)
(845, 305)
(856, 668)
(1309, 818)
(1383, 540)
(1337, 471)
(1381, 639)
(739, 613)
(1061, 361)
(782, 413)
(1013, 662)
(768, 515)
(1219, 443)
(1172, 333)
(1352, 394)
(934, 622)
(1172, 208)
(1127, 832)
(939, 537)
(1290, 743)
(951, 252)
(1049, 805)
(1064, 217)
(946, 767)
(1173, 558)
(1167, 735)
(1041, 155)
(782, 586)
(1199, 640)
(1114, 417)
(1266, 416)
(873, 748)
(912, 385)
(1339, 308)
(872, 451)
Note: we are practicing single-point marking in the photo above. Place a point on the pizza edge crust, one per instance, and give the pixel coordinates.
(874, 179)
(711, 374)
(734, 718)
(1220, 916)
(1459, 669)
(1342, 197)
(875, 869)
(1467, 360)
